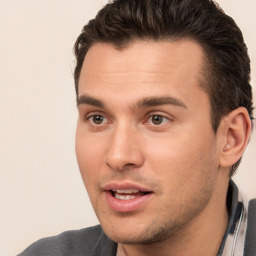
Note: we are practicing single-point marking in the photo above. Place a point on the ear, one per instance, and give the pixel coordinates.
(235, 133)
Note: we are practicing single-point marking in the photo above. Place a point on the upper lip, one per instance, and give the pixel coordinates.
(124, 186)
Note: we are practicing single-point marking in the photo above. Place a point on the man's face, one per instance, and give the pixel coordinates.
(145, 146)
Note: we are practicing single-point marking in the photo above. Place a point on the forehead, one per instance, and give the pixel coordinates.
(148, 67)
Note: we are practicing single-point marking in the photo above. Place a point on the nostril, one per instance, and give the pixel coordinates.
(117, 167)
(129, 165)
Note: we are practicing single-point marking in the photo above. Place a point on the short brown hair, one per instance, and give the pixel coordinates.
(227, 66)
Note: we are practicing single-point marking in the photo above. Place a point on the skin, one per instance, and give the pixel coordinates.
(178, 157)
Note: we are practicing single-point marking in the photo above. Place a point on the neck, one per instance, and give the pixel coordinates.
(202, 236)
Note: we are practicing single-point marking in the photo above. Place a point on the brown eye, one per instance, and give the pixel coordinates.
(97, 119)
(157, 120)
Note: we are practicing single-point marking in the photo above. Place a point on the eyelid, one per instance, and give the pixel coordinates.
(151, 123)
(89, 114)
(157, 113)
(107, 119)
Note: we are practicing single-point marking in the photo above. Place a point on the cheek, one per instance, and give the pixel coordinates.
(178, 158)
(172, 151)
(186, 175)
(88, 158)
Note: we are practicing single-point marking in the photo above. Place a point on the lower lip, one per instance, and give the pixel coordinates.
(126, 205)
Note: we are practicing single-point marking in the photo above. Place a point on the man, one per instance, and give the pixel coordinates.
(165, 110)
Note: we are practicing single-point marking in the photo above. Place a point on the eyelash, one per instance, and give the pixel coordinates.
(148, 121)
(89, 118)
(163, 119)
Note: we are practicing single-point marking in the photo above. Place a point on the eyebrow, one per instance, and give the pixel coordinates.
(88, 100)
(158, 101)
(146, 102)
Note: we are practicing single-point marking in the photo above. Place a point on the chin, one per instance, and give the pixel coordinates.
(138, 235)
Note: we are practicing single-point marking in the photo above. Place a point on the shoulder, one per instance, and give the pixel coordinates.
(75, 242)
(250, 237)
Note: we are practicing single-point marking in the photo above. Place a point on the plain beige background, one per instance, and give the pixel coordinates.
(41, 192)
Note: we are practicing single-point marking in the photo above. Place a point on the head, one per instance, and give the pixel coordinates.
(163, 92)
(226, 74)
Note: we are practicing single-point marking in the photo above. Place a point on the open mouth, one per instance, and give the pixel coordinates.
(126, 197)
(127, 194)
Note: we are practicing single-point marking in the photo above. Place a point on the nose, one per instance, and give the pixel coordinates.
(124, 150)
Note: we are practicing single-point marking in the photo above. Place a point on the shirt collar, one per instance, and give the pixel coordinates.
(234, 238)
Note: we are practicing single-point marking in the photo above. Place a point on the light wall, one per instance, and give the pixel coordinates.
(41, 192)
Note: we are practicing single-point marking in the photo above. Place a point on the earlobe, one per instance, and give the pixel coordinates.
(236, 131)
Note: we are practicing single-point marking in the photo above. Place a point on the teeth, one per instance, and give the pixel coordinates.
(122, 197)
(126, 191)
